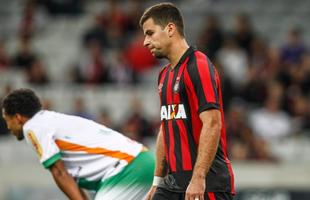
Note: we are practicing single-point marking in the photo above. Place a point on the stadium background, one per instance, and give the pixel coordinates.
(85, 57)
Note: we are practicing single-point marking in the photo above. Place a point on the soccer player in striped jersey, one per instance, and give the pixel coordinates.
(191, 155)
(79, 152)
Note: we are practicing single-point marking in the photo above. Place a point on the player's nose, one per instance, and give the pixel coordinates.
(146, 42)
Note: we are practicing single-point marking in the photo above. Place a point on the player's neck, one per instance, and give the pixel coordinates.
(177, 51)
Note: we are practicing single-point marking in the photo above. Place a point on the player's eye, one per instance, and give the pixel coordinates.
(149, 33)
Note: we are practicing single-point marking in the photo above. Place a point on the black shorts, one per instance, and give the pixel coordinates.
(163, 194)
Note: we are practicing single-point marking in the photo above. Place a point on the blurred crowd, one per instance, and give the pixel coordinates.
(113, 44)
(265, 88)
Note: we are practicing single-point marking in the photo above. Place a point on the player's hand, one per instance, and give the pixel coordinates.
(196, 189)
(151, 193)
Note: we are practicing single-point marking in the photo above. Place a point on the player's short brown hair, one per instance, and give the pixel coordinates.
(162, 14)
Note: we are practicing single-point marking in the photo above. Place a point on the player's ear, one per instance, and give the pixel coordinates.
(171, 28)
(20, 118)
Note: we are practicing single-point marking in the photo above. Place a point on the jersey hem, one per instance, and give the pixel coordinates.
(89, 185)
(206, 191)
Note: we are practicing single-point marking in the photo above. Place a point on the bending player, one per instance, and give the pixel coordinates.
(79, 152)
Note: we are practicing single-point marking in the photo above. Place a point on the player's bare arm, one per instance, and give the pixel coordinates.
(66, 182)
(84, 193)
(208, 144)
(160, 167)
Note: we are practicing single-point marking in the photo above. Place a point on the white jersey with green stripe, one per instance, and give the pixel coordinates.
(90, 151)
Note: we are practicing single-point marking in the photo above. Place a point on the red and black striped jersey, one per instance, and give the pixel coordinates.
(185, 91)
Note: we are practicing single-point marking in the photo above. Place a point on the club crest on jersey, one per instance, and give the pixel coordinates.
(176, 86)
(174, 111)
(160, 86)
(34, 141)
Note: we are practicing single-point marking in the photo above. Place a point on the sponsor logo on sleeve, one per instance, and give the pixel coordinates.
(34, 141)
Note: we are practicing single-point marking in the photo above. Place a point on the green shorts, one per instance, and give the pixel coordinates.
(132, 183)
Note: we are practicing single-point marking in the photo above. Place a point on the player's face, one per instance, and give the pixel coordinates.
(14, 125)
(156, 38)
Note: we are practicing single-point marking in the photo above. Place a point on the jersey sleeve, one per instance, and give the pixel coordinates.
(43, 142)
(203, 84)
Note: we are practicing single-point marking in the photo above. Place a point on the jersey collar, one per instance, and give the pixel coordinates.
(188, 52)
